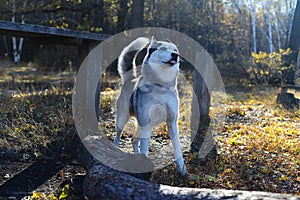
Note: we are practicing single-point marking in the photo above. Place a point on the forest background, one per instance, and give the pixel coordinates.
(235, 32)
(250, 41)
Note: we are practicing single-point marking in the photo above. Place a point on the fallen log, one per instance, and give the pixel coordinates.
(103, 182)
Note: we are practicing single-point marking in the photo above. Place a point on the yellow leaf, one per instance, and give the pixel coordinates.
(37, 196)
(233, 141)
(65, 192)
(283, 178)
(192, 182)
(265, 170)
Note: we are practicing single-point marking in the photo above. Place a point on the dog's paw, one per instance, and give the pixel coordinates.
(116, 142)
(181, 168)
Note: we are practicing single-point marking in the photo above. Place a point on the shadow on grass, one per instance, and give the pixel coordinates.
(30, 178)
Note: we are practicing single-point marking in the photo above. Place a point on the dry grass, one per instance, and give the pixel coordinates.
(35, 110)
(259, 149)
(258, 146)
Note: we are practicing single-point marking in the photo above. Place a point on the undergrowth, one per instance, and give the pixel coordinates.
(258, 146)
(258, 149)
(35, 112)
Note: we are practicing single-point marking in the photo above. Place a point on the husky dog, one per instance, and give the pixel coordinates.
(152, 96)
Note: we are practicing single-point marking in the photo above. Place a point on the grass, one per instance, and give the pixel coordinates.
(258, 146)
(35, 111)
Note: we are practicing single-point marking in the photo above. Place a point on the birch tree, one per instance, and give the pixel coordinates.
(17, 45)
(277, 30)
(270, 35)
(253, 23)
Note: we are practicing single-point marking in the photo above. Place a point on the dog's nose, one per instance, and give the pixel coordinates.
(174, 55)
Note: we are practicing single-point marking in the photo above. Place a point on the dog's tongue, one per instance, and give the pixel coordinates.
(173, 62)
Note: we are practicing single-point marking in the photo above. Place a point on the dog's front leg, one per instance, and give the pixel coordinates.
(173, 131)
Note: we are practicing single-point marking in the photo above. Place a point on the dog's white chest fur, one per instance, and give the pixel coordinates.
(162, 75)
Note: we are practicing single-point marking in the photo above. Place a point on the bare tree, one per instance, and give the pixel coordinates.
(277, 30)
(122, 12)
(253, 23)
(137, 13)
(17, 45)
(270, 35)
(99, 14)
(295, 32)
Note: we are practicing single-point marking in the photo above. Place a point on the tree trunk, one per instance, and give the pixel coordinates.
(295, 32)
(201, 100)
(122, 12)
(270, 37)
(253, 23)
(294, 45)
(137, 13)
(22, 39)
(99, 14)
(103, 182)
(17, 46)
(277, 31)
(203, 141)
(14, 39)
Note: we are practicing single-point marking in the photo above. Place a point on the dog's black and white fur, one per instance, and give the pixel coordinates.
(152, 96)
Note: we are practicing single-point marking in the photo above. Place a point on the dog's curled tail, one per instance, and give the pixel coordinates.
(127, 56)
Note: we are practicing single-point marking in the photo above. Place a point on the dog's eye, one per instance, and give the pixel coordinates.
(163, 48)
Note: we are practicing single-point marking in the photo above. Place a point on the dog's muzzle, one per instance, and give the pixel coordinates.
(173, 60)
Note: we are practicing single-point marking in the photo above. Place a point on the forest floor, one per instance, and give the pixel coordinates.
(258, 146)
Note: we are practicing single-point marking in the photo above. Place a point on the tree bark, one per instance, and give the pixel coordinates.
(99, 14)
(253, 23)
(203, 141)
(295, 32)
(137, 13)
(201, 99)
(17, 46)
(270, 37)
(294, 44)
(122, 12)
(103, 182)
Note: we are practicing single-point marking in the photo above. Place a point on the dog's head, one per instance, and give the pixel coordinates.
(162, 53)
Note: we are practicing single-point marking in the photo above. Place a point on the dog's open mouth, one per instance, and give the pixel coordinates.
(171, 62)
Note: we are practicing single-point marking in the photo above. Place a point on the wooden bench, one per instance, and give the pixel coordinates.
(50, 35)
(46, 33)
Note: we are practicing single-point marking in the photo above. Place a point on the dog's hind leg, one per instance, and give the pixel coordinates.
(136, 140)
(123, 115)
(145, 133)
(122, 119)
(118, 136)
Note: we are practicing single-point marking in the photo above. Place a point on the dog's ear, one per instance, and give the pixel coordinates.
(153, 41)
